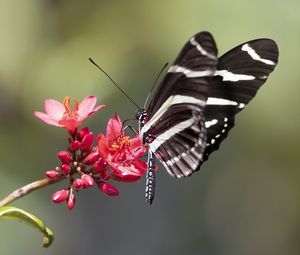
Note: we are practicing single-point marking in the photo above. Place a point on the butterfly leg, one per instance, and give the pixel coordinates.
(150, 178)
(131, 128)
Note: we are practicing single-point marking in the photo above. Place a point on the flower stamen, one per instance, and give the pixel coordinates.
(120, 143)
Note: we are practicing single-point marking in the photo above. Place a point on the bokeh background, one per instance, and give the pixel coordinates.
(246, 198)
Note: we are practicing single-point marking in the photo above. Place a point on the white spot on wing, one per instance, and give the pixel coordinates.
(255, 56)
(211, 123)
(229, 76)
(179, 99)
(188, 72)
(219, 101)
(176, 159)
(200, 48)
(241, 105)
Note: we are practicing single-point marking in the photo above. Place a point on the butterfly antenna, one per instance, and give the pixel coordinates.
(93, 62)
(153, 86)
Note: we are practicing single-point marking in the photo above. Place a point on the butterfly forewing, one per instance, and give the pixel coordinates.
(175, 115)
(240, 73)
(190, 73)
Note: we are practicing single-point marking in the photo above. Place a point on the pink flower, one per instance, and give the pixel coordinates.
(122, 153)
(60, 114)
(115, 157)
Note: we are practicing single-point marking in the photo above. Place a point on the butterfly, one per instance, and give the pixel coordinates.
(195, 104)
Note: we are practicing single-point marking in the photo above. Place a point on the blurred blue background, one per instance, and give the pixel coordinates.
(246, 198)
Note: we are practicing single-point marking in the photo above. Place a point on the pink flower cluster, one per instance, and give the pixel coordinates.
(115, 156)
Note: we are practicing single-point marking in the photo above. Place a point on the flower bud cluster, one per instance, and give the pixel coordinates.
(83, 166)
(115, 157)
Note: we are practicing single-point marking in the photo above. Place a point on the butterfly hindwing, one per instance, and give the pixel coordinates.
(239, 75)
(180, 139)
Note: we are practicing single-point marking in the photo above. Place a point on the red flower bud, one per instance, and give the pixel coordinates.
(87, 180)
(99, 166)
(60, 195)
(108, 189)
(77, 184)
(71, 200)
(91, 158)
(74, 145)
(64, 157)
(83, 132)
(66, 169)
(87, 142)
(51, 174)
(105, 175)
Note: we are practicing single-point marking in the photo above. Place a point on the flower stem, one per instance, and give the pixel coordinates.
(25, 190)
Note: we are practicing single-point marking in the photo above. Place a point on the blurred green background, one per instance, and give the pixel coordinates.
(246, 198)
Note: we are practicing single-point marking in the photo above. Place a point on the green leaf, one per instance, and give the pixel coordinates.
(13, 213)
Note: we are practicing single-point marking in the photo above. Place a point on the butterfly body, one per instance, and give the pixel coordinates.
(195, 104)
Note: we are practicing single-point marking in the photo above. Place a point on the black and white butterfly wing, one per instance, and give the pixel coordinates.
(180, 139)
(175, 124)
(239, 75)
(190, 73)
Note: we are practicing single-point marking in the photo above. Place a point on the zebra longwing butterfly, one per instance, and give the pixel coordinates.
(194, 107)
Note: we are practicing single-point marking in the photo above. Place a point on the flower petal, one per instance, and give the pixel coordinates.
(102, 146)
(140, 166)
(136, 147)
(99, 107)
(121, 176)
(126, 178)
(47, 119)
(114, 128)
(70, 124)
(129, 173)
(87, 105)
(54, 108)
